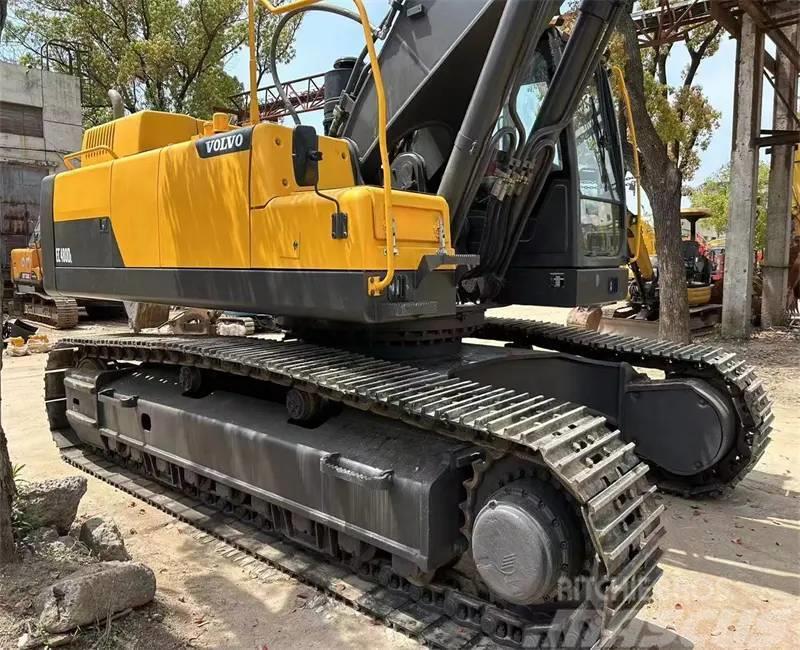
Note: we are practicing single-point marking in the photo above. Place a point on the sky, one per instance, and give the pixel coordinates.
(323, 37)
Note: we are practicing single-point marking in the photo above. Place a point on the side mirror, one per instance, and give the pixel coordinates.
(306, 156)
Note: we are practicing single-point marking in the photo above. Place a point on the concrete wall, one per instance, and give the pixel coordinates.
(58, 95)
(24, 161)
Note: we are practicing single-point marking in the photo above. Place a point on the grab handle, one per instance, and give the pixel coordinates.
(353, 472)
(78, 155)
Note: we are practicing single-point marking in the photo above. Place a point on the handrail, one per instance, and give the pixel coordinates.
(376, 284)
(623, 89)
(83, 152)
(255, 116)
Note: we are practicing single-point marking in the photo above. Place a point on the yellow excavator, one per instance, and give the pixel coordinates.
(639, 315)
(30, 300)
(386, 449)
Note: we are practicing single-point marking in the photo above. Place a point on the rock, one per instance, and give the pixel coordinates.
(27, 641)
(67, 541)
(93, 593)
(53, 502)
(75, 529)
(67, 544)
(103, 539)
(41, 536)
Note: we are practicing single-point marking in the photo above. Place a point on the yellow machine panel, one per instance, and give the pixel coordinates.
(264, 219)
(231, 201)
(272, 150)
(295, 231)
(26, 266)
(84, 193)
(138, 132)
(699, 295)
(136, 222)
(203, 211)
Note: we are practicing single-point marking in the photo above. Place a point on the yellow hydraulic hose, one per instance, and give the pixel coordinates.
(255, 114)
(376, 284)
(623, 89)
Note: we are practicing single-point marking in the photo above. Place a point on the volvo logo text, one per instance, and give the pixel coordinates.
(223, 143)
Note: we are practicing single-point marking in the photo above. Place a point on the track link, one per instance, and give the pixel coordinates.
(591, 463)
(722, 368)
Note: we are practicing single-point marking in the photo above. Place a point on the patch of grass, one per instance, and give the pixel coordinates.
(21, 523)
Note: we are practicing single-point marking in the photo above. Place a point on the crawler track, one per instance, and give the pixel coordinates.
(716, 365)
(57, 312)
(592, 464)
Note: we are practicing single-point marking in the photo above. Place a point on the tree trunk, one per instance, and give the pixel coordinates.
(7, 489)
(673, 317)
(3, 14)
(7, 550)
(661, 181)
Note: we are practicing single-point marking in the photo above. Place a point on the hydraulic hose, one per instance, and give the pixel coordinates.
(476, 176)
(626, 100)
(520, 21)
(273, 62)
(359, 71)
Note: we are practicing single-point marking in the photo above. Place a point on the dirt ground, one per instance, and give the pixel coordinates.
(731, 575)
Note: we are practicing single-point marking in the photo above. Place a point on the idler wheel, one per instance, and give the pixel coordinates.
(523, 542)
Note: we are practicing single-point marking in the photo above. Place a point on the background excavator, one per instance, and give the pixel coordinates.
(465, 491)
(32, 302)
(30, 299)
(639, 315)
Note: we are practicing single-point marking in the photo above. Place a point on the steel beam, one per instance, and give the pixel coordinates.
(765, 22)
(779, 218)
(736, 309)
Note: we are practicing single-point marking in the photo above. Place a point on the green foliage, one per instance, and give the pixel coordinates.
(21, 523)
(680, 112)
(165, 55)
(713, 195)
(16, 473)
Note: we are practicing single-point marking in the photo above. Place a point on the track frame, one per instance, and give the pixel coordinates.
(721, 368)
(621, 520)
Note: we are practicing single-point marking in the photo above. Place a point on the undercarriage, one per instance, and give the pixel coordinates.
(459, 497)
(701, 428)
(490, 512)
(59, 312)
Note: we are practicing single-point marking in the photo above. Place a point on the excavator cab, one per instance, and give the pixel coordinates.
(574, 243)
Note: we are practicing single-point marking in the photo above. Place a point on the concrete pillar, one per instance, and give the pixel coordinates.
(779, 206)
(737, 299)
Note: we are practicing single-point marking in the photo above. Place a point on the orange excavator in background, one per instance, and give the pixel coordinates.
(30, 300)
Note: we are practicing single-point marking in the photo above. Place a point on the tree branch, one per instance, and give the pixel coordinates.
(698, 55)
(650, 143)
